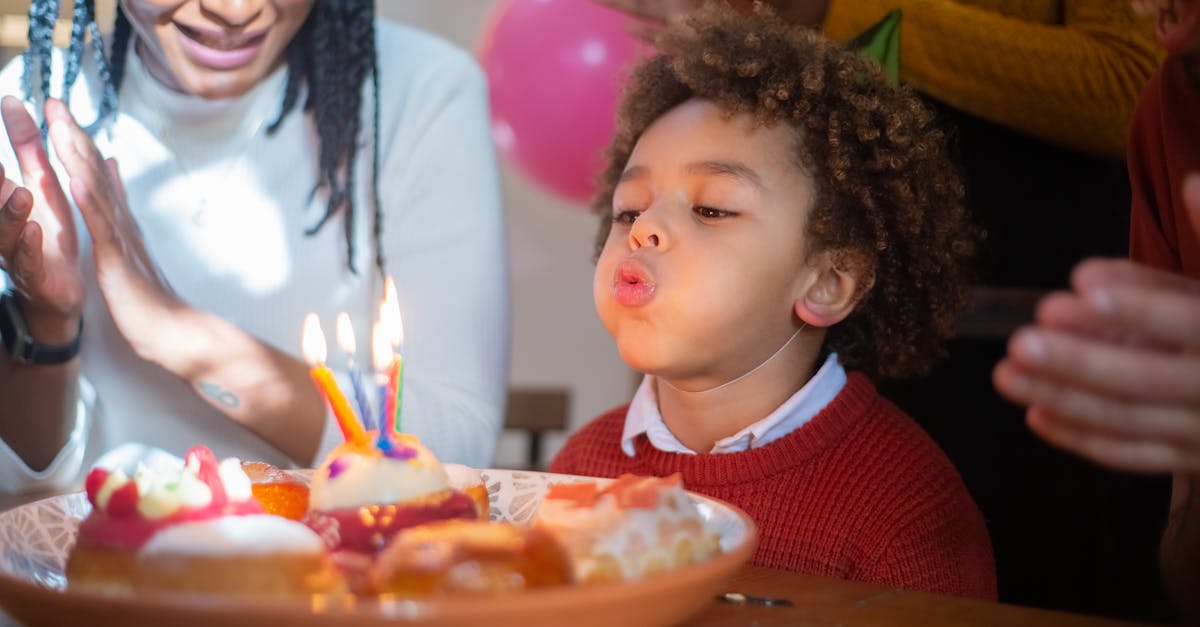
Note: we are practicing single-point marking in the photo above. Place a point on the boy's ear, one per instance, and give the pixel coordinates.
(833, 285)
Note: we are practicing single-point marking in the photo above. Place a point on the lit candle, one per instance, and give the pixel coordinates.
(393, 327)
(313, 345)
(384, 359)
(345, 339)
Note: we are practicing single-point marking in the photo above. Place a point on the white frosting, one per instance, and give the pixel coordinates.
(257, 534)
(638, 539)
(370, 480)
(235, 480)
(462, 477)
(163, 492)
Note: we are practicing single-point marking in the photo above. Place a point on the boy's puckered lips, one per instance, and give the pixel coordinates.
(632, 284)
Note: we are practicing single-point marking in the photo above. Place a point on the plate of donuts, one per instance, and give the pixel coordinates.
(633, 578)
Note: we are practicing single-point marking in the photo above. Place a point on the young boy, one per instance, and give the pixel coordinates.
(781, 227)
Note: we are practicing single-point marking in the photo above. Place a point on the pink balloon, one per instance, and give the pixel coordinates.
(555, 69)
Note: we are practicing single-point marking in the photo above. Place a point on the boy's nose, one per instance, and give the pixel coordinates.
(233, 12)
(647, 232)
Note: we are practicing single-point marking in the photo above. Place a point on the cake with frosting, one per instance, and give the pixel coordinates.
(471, 557)
(193, 529)
(371, 487)
(626, 529)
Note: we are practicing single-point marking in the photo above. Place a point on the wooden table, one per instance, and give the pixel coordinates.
(824, 601)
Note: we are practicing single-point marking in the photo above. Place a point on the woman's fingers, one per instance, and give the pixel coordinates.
(1164, 316)
(31, 155)
(14, 214)
(1066, 311)
(29, 262)
(88, 174)
(115, 172)
(24, 135)
(1094, 410)
(1100, 273)
(1122, 371)
(1120, 451)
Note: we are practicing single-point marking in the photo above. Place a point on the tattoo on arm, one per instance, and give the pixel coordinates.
(223, 397)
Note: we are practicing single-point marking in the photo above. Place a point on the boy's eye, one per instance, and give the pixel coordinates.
(625, 217)
(711, 212)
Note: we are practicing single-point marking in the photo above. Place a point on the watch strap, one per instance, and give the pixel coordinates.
(22, 347)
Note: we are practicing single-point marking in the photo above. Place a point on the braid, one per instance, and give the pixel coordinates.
(333, 53)
(108, 97)
(122, 30)
(38, 55)
(80, 17)
(376, 214)
(42, 17)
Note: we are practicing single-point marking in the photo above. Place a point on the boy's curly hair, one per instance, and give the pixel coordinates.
(887, 199)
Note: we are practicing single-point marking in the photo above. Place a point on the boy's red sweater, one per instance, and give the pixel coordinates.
(859, 492)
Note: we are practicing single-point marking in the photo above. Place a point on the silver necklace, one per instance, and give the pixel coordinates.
(200, 215)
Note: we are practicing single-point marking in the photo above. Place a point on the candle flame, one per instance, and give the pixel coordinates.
(312, 340)
(389, 314)
(345, 333)
(381, 348)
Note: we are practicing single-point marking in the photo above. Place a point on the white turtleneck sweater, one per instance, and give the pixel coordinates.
(223, 208)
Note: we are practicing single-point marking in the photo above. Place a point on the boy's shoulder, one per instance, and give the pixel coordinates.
(904, 450)
(891, 463)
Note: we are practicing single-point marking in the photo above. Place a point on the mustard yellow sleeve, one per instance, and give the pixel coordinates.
(1068, 72)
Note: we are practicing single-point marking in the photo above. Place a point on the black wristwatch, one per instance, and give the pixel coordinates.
(22, 347)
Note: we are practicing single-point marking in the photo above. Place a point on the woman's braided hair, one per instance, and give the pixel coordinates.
(889, 201)
(332, 55)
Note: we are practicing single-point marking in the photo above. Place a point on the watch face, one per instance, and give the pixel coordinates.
(22, 347)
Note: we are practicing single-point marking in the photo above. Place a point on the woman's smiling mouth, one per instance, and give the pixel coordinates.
(219, 50)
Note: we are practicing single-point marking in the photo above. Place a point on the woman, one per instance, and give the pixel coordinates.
(277, 157)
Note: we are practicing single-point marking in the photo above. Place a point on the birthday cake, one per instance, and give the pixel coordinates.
(381, 515)
(369, 488)
(197, 529)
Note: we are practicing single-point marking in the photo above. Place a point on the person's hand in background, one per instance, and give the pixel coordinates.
(1111, 370)
(652, 15)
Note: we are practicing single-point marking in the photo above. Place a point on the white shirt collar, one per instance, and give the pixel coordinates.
(808, 401)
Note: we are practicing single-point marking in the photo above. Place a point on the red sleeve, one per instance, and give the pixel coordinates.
(1151, 220)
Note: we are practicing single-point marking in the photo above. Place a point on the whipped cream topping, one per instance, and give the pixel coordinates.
(639, 525)
(257, 534)
(155, 495)
(392, 470)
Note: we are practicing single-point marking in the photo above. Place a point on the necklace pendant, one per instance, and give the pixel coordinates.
(200, 215)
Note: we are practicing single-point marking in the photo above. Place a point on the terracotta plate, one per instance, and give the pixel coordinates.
(35, 538)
